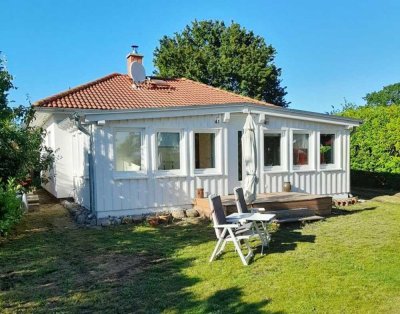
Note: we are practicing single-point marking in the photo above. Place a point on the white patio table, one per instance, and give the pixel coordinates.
(254, 218)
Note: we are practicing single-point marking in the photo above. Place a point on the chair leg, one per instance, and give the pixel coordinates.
(239, 249)
(217, 250)
(219, 247)
(250, 253)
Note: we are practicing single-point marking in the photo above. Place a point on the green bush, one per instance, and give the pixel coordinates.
(375, 144)
(22, 152)
(10, 206)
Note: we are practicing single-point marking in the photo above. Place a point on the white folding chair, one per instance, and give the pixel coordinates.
(241, 202)
(241, 205)
(227, 232)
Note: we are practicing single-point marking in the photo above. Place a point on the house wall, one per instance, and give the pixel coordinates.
(80, 168)
(50, 184)
(68, 176)
(129, 193)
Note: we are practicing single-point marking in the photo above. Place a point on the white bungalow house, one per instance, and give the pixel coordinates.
(128, 145)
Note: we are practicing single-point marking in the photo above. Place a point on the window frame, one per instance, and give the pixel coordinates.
(337, 151)
(120, 174)
(283, 150)
(217, 151)
(182, 159)
(311, 151)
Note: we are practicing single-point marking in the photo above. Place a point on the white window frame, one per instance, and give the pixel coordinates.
(337, 151)
(283, 158)
(143, 155)
(217, 150)
(182, 148)
(311, 151)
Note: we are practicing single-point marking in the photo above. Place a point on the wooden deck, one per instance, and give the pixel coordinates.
(283, 201)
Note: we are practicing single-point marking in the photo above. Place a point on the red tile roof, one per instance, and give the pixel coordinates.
(115, 91)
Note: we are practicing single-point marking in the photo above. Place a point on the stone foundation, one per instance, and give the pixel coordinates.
(83, 216)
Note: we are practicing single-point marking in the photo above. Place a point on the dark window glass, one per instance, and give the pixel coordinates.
(300, 149)
(168, 149)
(327, 147)
(204, 150)
(272, 149)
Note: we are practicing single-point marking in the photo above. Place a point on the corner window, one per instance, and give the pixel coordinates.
(272, 149)
(128, 151)
(204, 150)
(301, 144)
(327, 149)
(168, 150)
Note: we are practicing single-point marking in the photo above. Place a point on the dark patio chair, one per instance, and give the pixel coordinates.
(242, 208)
(228, 232)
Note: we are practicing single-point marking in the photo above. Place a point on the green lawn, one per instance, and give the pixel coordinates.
(349, 263)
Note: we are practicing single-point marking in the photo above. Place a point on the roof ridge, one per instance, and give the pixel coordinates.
(229, 92)
(75, 89)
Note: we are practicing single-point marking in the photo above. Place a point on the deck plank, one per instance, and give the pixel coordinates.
(319, 204)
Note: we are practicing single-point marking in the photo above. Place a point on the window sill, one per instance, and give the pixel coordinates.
(200, 173)
(303, 170)
(170, 175)
(330, 168)
(274, 170)
(129, 176)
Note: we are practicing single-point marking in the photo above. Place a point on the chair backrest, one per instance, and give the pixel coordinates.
(217, 212)
(240, 201)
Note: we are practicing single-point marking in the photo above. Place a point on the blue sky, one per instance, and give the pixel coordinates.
(328, 50)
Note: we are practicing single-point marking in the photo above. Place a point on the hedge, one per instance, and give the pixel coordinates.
(375, 146)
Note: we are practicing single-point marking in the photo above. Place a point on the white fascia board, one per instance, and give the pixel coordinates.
(196, 110)
(308, 116)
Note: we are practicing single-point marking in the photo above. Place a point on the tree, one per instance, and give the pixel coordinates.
(387, 96)
(22, 152)
(375, 144)
(227, 57)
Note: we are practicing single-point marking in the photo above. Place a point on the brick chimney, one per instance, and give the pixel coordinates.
(133, 56)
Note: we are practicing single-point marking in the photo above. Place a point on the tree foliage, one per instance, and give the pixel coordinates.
(10, 206)
(375, 144)
(228, 57)
(22, 152)
(387, 96)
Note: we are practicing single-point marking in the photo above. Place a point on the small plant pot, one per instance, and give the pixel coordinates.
(287, 186)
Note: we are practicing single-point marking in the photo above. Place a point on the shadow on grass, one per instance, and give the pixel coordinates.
(349, 211)
(229, 301)
(120, 269)
(286, 238)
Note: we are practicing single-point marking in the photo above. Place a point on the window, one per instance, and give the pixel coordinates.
(272, 149)
(168, 149)
(128, 146)
(327, 148)
(300, 149)
(204, 150)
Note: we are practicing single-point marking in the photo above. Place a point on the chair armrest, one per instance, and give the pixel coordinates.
(259, 209)
(230, 226)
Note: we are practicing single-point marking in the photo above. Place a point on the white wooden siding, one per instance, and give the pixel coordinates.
(155, 191)
(61, 177)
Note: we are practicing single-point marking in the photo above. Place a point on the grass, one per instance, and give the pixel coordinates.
(347, 264)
